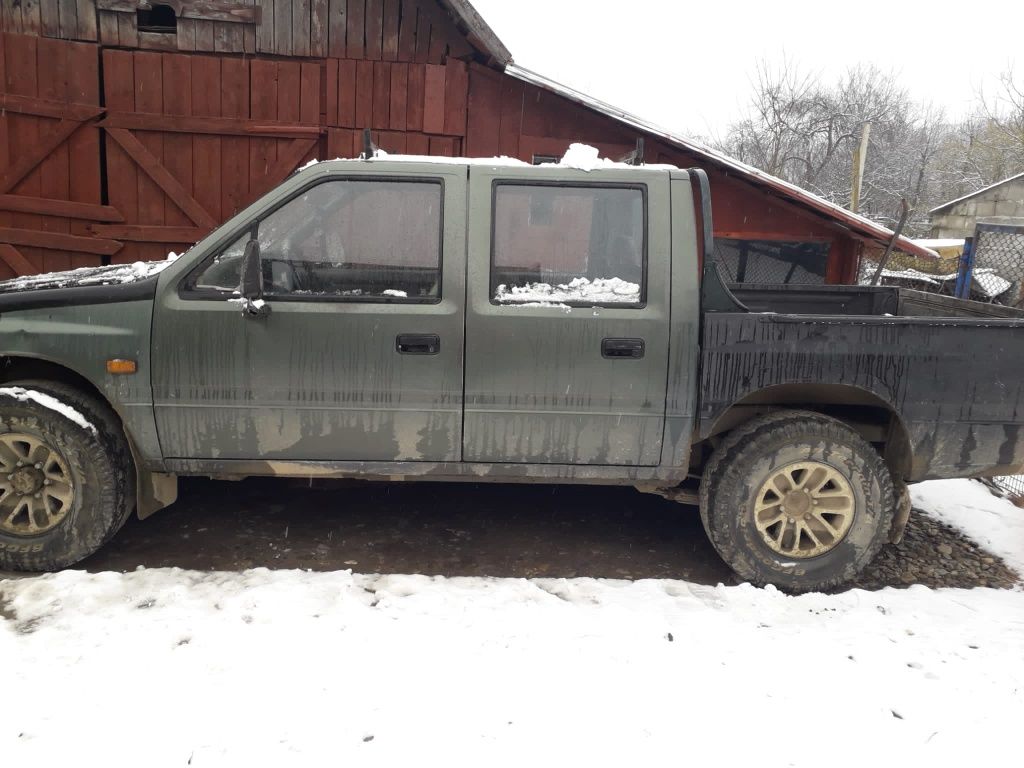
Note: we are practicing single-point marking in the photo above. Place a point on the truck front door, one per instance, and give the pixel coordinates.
(567, 316)
(361, 355)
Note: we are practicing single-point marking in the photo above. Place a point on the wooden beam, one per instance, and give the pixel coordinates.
(16, 261)
(43, 149)
(66, 208)
(220, 126)
(204, 10)
(58, 241)
(781, 237)
(62, 110)
(142, 233)
(162, 177)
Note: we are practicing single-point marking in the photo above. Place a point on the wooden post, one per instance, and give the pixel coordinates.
(860, 156)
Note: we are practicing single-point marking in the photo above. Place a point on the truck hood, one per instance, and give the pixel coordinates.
(117, 274)
(77, 287)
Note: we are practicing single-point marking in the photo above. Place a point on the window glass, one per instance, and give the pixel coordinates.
(224, 273)
(573, 245)
(772, 262)
(349, 240)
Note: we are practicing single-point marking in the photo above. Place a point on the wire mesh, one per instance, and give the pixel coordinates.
(772, 262)
(997, 267)
(1012, 485)
(992, 271)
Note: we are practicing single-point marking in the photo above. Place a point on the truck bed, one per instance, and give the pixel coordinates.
(951, 371)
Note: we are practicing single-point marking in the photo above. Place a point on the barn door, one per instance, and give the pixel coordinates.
(191, 140)
(49, 157)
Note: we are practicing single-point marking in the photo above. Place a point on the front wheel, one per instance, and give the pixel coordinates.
(66, 483)
(798, 500)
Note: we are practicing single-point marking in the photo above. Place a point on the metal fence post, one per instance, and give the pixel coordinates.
(964, 276)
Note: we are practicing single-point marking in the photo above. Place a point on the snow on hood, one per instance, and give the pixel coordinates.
(116, 274)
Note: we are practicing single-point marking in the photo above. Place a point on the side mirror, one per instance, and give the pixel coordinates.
(251, 288)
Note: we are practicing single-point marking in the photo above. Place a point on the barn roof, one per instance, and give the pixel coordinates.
(981, 191)
(853, 222)
(477, 31)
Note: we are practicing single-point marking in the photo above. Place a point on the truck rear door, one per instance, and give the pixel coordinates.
(567, 326)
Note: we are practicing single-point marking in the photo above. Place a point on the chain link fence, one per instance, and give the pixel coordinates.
(994, 264)
(990, 269)
(1012, 486)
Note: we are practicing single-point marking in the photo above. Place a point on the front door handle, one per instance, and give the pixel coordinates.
(418, 343)
(630, 349)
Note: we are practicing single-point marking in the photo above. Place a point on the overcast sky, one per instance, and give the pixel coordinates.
(688, 66)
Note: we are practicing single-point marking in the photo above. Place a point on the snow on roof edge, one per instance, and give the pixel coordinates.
(969, 195)
(844, 216)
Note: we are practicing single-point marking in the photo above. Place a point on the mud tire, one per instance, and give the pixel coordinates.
(100, 465)
(744, 461)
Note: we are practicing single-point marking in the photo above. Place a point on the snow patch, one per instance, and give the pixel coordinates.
(300, 668)
(610, 290)
(991, 522)
(49, 401)
(578, 157)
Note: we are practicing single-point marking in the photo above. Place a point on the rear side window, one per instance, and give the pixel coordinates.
(368, 240)
(575, 245)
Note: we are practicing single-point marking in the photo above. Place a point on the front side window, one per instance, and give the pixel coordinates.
(568, 245)
(352, 239)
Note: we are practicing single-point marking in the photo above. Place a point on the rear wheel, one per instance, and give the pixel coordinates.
(66, 478)
(798, 500)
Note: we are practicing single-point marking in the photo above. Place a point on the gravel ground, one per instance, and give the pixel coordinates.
(935, 555)
(461, 529)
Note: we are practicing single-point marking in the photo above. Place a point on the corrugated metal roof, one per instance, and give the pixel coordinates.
(951, 203)
(852, 221)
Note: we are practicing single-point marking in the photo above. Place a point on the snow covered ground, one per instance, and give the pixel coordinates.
(168, 667)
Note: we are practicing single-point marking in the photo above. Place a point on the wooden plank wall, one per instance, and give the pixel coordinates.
(65, 19)
(217, 167)
(373, 30)
(413, 108)
(51, 76)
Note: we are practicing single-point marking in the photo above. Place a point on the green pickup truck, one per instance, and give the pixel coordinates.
(406, 319)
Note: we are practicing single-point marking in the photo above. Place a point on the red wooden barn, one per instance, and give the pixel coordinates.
(128, 129)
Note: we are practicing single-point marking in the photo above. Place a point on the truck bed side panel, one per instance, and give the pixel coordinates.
(956, 384)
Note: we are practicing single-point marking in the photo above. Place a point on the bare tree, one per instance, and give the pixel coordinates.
(804, 130)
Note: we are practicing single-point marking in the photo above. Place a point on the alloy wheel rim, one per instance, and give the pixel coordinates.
(36, 489)
(804, 509)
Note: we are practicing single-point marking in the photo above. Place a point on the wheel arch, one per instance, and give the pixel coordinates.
(874, 418)
(153, 490)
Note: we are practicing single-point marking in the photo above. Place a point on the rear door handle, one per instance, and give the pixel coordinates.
(418, 343)
(632, 349)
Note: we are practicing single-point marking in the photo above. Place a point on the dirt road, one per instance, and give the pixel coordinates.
(462, 529)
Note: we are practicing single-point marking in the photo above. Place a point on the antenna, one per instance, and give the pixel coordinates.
(369, 148)
(636, 157)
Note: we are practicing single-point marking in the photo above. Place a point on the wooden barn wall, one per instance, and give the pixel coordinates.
(204, 123)
(50, 188)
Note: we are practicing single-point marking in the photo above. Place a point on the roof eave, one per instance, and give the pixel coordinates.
(480, 34)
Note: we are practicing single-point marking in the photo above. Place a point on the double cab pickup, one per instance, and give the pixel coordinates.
(404, 319)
